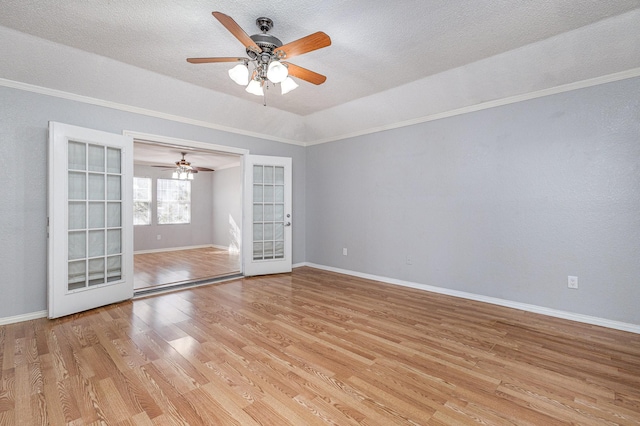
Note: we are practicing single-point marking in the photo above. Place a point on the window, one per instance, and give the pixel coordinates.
(141, 201)
(174, 201)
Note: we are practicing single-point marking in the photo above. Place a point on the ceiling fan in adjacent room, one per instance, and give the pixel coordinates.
(184, 170)
(266, 54)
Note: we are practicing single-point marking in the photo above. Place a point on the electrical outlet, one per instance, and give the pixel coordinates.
(159, 237)
(572, 282)
(344, 251)
(409, 260)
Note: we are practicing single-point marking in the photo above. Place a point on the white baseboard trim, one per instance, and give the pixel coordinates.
(231, 250)
(603, 322)
(23, 317)
(178, 248)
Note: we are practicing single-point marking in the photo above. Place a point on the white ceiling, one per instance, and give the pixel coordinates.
(376, 44)
(391, 64)
(152, 154)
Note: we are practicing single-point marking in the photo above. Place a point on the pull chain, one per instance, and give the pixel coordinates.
(264, 97)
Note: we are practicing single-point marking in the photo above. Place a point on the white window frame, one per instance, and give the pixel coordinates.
(174, 200)
(148, 202)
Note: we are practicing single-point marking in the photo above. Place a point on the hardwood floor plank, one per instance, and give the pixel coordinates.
(135, 398)
(8, 341)
(216, 413)
(87, 398)
(7, 386)
(265, 414)
(52, 398)
(113, 400)
(173, 404)
(7, 418)
(315, 347)
(22, 392)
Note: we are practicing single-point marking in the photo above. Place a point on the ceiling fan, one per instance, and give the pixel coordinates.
(266, 54)
(184, 169)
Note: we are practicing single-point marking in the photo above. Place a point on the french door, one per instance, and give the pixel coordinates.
(90, 219)
(267, 215)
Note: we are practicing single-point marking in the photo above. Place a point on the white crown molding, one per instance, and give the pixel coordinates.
(586, 319)
(623, 75)
(137, 110)
(23, 317)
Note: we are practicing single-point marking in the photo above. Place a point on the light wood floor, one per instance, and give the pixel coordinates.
(174, 267)
(315, 347)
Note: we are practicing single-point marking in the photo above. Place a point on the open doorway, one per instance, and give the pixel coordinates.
(186, 228)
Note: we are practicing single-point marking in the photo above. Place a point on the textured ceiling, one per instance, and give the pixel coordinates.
(376, 44)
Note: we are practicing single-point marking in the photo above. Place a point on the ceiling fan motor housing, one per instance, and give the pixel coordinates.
(267, 43)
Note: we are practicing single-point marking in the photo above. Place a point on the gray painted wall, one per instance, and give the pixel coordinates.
(227, 207)
(505, 202)
(24, 119)
(198, 232)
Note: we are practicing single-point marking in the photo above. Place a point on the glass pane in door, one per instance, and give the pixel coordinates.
(268, 209)
(94, 237)
(77, 156)
(96, 158)
(77, 214)
(114, 268)
(96, 215)
(96, 271)
(77, 275)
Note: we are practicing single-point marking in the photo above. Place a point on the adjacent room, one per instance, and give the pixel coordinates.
(296, 213)
(193, 236)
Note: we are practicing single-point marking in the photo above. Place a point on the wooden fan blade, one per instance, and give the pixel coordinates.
(306, 44)
(201, 169)
(237, 31)
(305, 74)
(210, 60)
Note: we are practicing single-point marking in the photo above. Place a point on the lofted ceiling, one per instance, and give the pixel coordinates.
(379, 48)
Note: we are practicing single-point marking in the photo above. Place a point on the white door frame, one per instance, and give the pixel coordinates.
(167, 140)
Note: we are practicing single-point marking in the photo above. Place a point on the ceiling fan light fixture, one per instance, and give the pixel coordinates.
(287, 85)
(240, 74)
(182, 173)
(255, 88)
(277, 72)
(266, 54)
